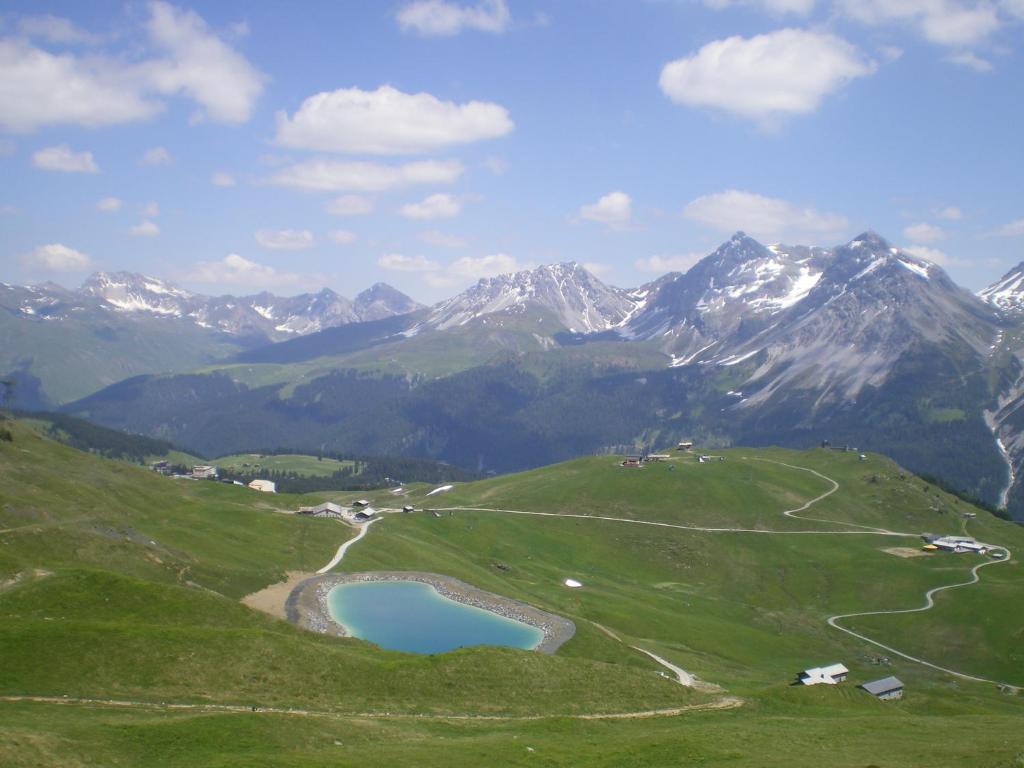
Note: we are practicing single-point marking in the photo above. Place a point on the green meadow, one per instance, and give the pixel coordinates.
(116, 583)
(300, 464)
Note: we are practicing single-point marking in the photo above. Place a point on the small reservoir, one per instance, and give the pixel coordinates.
(413, 616)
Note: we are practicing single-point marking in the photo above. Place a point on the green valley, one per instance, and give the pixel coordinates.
(120, 591)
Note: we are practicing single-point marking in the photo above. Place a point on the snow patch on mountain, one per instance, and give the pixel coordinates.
(1007, 293)
(578, 301)
(272, 317)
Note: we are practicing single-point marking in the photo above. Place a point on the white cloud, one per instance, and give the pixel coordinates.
(343, 175)
(388, 122)
(950, 213)
(597, 268)
(145, 229)
(150, 209)
(41, 88)
(54, 29)
(396, 262)
(56, 258)
(924, 233)
(483, 266)
(945, 22)
(441, 239)
(156, 156)
(614, 209)
(62, 158)
(1013, 7)
(349, 205)
(440, 18)
(285, 239)
(1013, 229)
(766, 218)
(109, 204)
(934, 255)
(200, 65)
(659, 264)
(437, 206)
(779, 73)
(235, 270)
(342, 236)
(496, 165)
(222, 179)
(971, 61)
(799, 7)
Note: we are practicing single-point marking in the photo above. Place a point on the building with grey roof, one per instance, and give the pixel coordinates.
(885, 689)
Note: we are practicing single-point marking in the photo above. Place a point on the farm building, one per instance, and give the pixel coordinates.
(685, 445)
(363, 516)
(361, 503)
(658, 457)
(204, 472)
(264, 486)
(327, 509)
(885, 689)
(408, 508)
(830, 675)
(959, 545)
(633, 461)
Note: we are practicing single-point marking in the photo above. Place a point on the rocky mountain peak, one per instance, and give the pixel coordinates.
(575, 297)
(1007, 293)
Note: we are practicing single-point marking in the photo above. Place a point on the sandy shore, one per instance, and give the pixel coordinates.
(272, 599)
(307, 607)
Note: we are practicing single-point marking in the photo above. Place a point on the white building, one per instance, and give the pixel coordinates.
(960, 544)
(830, 675)
(204, 472)
(264, 486)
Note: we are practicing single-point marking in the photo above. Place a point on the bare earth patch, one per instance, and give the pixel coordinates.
(272, 599)
(906, 552)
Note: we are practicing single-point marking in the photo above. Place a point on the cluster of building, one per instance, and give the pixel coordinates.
(359, 512)
(639, 459)
(959, 545)
(210, 472)
(885, 689)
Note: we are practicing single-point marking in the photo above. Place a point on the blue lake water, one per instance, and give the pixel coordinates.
(411, 616)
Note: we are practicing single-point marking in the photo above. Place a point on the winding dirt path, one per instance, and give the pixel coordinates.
(724, 702)
(344, 547)
(929, 603)
(832, 621)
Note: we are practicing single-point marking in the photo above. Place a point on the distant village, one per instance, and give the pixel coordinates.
(210, 472)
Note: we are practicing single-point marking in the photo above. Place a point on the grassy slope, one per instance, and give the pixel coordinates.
(741, 608)
(309, 466)
(189, 549)
(79, 360)
(744, 610)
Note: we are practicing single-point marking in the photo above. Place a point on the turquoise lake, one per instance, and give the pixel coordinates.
(411, 616)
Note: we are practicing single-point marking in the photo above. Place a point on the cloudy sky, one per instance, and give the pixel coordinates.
(234, 146)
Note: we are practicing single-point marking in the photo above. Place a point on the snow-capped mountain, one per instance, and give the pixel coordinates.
(262, 315)
(1007, 293)
(567, 293)
(733, 292)
(832, 320)
(871, 305)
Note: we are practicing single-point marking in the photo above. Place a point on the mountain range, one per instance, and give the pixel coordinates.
(862, 344)
(61, 344)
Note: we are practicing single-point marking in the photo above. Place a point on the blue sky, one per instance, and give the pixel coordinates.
(236, 147)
